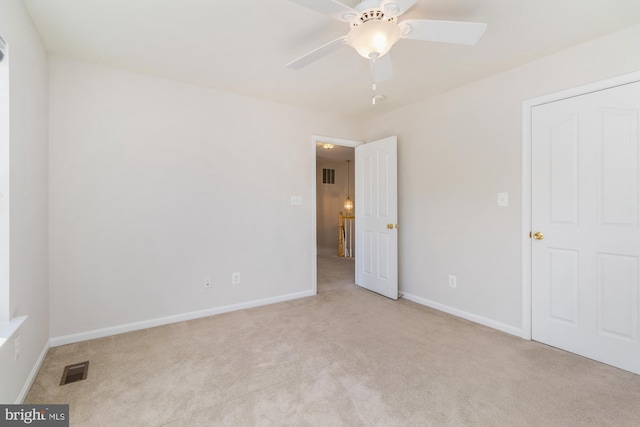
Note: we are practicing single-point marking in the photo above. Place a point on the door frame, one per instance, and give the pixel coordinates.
(527, 106)
(315, 139)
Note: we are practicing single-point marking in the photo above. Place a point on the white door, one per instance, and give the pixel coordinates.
(585, 283)
(376, 211)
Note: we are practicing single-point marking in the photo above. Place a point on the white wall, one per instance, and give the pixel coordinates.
(456, 152)
(29, 294)
(156, 184)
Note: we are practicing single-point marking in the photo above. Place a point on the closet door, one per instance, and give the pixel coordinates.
(586, 242)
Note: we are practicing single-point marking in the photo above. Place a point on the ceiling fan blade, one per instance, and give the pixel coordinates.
(442, 31)
(329, 7)
(396, 7)
(381, 68)
(318, 53)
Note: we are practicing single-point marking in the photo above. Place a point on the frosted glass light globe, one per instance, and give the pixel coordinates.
(374, 38)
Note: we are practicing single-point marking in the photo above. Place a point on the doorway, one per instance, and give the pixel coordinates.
(376, 214)
(334, 181)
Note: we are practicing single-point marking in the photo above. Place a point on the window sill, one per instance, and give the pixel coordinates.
(8, 330)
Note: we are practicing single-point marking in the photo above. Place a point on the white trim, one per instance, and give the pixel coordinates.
(526, 223)
(584, 89)
(7, 330)
(32, 376)
(120, 329)
(527, 106)
(464, 314)
(5, 189)
(315, 139)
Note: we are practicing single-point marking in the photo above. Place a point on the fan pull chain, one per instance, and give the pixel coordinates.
(372, 61)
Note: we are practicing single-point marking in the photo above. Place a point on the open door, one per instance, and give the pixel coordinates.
(376, 213)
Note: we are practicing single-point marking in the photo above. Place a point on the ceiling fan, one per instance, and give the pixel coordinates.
(374, 29)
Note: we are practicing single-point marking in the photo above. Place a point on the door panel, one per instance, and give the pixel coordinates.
(563, 285)
(617, 278)
(585, 281)
(618, 182)
(563, 176)
(376, 208)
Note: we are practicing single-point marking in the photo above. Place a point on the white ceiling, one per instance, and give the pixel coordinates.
(243, 46)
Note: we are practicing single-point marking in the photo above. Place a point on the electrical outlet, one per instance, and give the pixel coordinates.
(235, 278)
(453, 282)
(207, 282)
(16, 344)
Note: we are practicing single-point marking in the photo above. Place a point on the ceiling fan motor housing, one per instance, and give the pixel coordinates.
(371, 14)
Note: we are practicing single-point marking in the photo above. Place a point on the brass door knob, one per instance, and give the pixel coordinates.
(538, 235)
(389, 226)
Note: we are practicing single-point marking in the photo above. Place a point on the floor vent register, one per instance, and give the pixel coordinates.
(75, 372)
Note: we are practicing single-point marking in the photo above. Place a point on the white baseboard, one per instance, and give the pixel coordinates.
(32, 375)
(465, 315)
(120, 329)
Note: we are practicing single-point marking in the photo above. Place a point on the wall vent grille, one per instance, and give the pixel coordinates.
(328, 176)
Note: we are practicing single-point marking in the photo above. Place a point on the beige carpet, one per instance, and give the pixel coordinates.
(345, 357)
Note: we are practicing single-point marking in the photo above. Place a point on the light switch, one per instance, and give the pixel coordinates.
(503, 199)
(296, 200)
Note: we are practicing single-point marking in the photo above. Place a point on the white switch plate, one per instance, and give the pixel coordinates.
(296, 200)
(503, 199)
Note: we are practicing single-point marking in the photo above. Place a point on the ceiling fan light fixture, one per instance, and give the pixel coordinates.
(348, 17)
(391, 9)
(373, 38)
(348, 203)
(405, 29)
